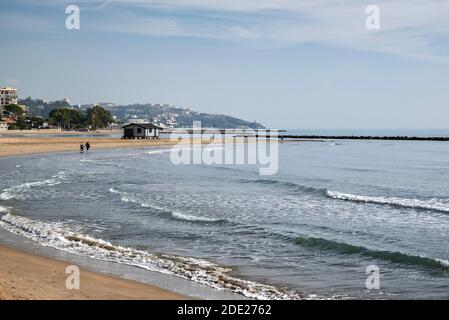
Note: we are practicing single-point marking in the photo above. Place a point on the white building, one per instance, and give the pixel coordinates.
(3, 126)
(8, 96)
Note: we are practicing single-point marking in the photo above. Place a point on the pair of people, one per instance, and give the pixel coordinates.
(84, 146)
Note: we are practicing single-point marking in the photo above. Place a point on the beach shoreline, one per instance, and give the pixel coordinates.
(25, 275)
(11, 146)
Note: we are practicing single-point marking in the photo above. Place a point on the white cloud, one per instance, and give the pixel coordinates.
(408, 27)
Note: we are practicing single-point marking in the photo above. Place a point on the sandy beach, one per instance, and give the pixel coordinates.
(16, 142)
(13, 146)
(26, 276)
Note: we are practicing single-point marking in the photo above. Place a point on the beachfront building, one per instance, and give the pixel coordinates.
(8, 96)
(141, 131)
(9, 121)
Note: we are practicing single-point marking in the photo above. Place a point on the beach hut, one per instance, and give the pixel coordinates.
(141, 131)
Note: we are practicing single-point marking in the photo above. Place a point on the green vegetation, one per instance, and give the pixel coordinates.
(18, 114)
(98, 117)
(41, 108)
(14, 109)
(69, 118)
(27, 123)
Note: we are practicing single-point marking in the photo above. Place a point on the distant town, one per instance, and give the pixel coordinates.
(29, 113)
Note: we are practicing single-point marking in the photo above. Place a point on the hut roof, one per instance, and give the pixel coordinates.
(143, 125)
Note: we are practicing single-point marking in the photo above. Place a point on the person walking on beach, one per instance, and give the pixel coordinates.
(87, 146)
(81, 147)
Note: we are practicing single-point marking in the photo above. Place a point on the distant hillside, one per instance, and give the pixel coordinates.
(170, 116)
(42, 108)
(178, 117)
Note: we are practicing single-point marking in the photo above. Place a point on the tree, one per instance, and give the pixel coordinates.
(67, 118)
(98, 117)
(15, 109)
(39, 107)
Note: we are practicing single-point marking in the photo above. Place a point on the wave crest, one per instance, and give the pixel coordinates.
(432, 204)
(21, 191)
(127, 197)
(395, 257)
(286, 184)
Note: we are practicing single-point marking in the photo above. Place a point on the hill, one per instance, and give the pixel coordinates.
(177, 117)
(169, 116)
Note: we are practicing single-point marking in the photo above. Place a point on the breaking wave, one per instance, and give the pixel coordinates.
(395, 257)
(285, 184)
(432, 204)
(129, 197)
(159, 151)
(22, 191)
(187, 217)
(59, 236)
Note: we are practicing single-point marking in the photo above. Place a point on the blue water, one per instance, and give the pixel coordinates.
(372, 132)
(309, 231)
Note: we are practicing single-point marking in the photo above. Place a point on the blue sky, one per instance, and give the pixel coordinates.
(285, 63)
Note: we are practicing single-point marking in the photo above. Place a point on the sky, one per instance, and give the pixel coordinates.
(284, 63)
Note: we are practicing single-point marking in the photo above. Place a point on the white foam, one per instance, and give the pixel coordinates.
(87, 160)
(60, 236)
(3, 209)
(432, 204)
(443, 262)
(112, 190)
(127, 197)
(21, 191)
(157, 151)
(187, 217)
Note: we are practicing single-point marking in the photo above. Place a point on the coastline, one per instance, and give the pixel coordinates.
(12, 145)
(25, 275)
(16, 146)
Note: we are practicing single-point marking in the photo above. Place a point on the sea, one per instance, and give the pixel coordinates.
(334, 211)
